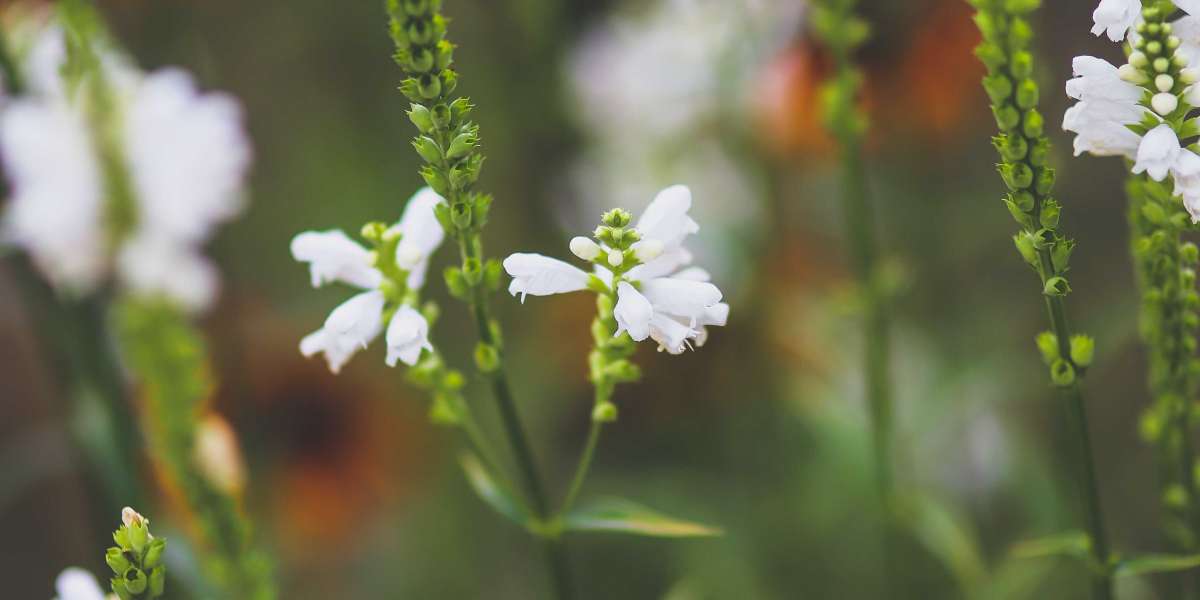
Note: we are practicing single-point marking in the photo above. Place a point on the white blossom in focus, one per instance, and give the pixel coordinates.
(1106, 104)
(1158, 153)
(334, 257)
(655, 299)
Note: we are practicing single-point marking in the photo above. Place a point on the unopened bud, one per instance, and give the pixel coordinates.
(585, 248)
(1164, 104)
(616, 257)
(1138, 60)
(218, 456)
(1164, 82)
(1128, 72)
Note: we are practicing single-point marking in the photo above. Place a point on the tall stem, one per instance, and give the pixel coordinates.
(515, 433)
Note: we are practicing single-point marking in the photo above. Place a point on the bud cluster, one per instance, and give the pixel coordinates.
(1024, 149)
(136, 560)
(448, 141)
(620, 249)
(1155, 65)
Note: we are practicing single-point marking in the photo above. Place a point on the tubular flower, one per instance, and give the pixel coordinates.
(1115, 17)
(391, 277)
(136, 201)
(640, 267)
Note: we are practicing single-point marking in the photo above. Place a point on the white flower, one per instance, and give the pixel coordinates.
(1116, 17)
(1187, 30)
(77, 584)
(1186, 172)
(407, 335)
(186, 156)
(585, 248)
(351, 326)
(1158, 153)
(153, 264)
(57, 206)
(333, 256)
(672, 309)
(542, 276)
(669, 310)
(1106, 104)
(421, 234)
(667, 222)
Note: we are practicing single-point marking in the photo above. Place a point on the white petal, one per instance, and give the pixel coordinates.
(157, 265)
(542, 276)
(1157, 152)
(693, 274)
(333, 256)
(357, 321)
(670, 334)
(57, 204)
(1192, 7)
(187, 153)
(632, 312)
(407, 335)
(421, 233)
(77, 584)
(666, 218)
(717, 314)
(1116, 17)
(681, 297)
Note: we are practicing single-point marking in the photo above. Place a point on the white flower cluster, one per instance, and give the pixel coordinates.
(660, 298)
(1142, 94)
(390, 283)
(185, 155)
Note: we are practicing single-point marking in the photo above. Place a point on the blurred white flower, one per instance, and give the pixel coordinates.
(217, 454)
(1159, 153)
(75, 583)
(352, 326)
(654, 299)
(657, 88)
(185, 155)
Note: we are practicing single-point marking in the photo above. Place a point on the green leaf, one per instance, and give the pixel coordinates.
(1156, 563)
(492, 492)
(946, 536)
(617, 515)
(1075, 544)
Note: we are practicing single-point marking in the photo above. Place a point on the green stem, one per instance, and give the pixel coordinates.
(585, 464)
(860, 227)
(515, 432)
(1089, 490)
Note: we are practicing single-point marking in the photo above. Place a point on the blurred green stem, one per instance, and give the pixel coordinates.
(581, 471)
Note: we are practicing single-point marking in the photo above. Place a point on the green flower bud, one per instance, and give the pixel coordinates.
(456, 283)
(1021, 217)
(461, 145)
(487, 358)
(1022, 64)
(1047, 344)
(1083, 350)
(998, 88)
(135, 580)
(434, 178)
(493, 274)
(1188, 253)
(429, 86)
(428, 149)
(1024, 243)
(420, 117)
(1062, 373)
(1007, 117)
(115, 557)
(1045, 181)
(617, 217)
(1154, 213)
(1050, 214)
(1034, 125)
(1027, 94)
(1056, 286)
(605, 412)
(1154, 48)
(472, 271)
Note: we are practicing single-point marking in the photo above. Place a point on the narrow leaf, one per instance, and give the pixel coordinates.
(1156, 563)
(947, 537)
(491, 491)
(617, 515)
(1074, 544)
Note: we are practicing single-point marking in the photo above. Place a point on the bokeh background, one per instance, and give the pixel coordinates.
(585, 105)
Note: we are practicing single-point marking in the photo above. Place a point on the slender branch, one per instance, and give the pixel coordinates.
(581, 470)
